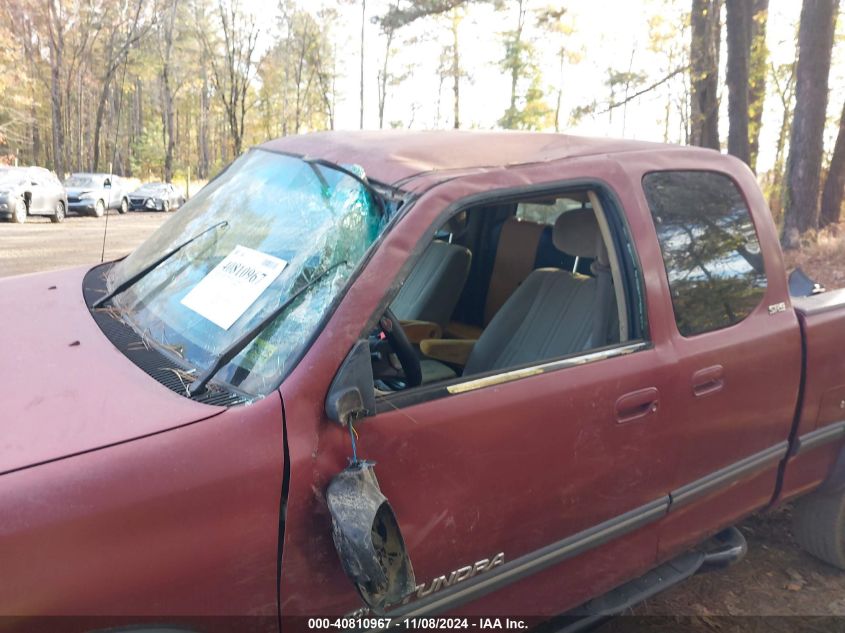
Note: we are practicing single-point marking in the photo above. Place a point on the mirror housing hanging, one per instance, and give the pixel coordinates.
(352, 395)
(367, 538)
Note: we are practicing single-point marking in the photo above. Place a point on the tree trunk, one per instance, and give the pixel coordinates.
(98, 124)
(776, 202)
(704, 73)
(803, 165)
(168, 113)
(515, 67)
(101, 103)
(202, 128)
(559, 97)
(738, 18)
(456, 70)
(382, 95)
(834, 185)
(56, 50)
(757, 68)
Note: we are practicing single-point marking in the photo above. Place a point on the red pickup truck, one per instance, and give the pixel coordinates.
(394, 375)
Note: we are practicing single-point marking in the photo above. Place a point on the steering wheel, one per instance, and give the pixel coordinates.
(401, 346)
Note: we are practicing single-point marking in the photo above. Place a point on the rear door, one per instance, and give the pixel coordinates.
(737, 344)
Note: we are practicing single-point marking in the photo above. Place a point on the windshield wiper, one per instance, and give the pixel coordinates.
(239, 344)
(155, 264)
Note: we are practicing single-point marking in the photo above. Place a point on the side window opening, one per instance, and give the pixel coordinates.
(710, 248)
(509, 285)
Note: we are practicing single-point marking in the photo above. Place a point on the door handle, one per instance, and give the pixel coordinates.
(708, 380)
(637, 404)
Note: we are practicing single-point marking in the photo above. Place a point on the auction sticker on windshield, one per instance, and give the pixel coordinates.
(225, 293)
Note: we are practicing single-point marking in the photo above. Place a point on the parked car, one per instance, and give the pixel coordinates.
(156, 196)
(26, 191)
(92, 194)
(573, 363)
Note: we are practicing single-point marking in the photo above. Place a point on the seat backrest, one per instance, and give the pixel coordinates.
(433, 287)
(549, 315)
(552, 313)
(515, 255)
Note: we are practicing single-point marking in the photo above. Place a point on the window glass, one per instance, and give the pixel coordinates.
(547, 211)
(709, 247)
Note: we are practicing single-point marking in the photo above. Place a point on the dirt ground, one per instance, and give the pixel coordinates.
(823, 258)
(775, 580)
(41, 245)
(777, 587)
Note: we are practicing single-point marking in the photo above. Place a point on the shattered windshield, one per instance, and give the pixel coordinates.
(283, 223)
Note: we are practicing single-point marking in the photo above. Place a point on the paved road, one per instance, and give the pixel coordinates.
(41, 245)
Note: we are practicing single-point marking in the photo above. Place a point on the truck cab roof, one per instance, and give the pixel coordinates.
(398, 156)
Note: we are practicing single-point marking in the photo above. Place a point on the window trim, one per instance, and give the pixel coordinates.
(748, 208)
(630, 269)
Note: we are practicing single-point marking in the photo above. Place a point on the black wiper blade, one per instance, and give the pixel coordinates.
(155, 264)
(240, 344)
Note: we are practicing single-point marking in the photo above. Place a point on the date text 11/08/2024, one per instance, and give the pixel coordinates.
(418, 623)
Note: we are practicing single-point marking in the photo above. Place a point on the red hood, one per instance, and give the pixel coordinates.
(64, 388)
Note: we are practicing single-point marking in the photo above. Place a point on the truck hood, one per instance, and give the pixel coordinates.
(64, 388)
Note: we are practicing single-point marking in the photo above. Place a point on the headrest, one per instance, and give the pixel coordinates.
(457, 224)
(577, 233)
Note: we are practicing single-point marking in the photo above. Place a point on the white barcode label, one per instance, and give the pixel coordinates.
(224, 294)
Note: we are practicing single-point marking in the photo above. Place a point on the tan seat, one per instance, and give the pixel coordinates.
(515, 255)
(516, 252)
(554, 312)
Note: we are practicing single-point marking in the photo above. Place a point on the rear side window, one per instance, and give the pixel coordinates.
(546, 211)
(710, 248)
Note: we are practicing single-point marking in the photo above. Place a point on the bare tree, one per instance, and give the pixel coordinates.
(704, 72)
(231, 76)
(456, 70)
(56, 28)
(803, 165)
(388, 30)
(167, 97)
(834, 185)
(129, 18)
(784, 81)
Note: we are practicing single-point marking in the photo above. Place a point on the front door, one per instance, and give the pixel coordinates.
(508, 470)
(559, 470)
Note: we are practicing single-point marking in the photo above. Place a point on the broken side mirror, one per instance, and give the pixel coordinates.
(365, 531)
(367, 538)
(352, 395)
